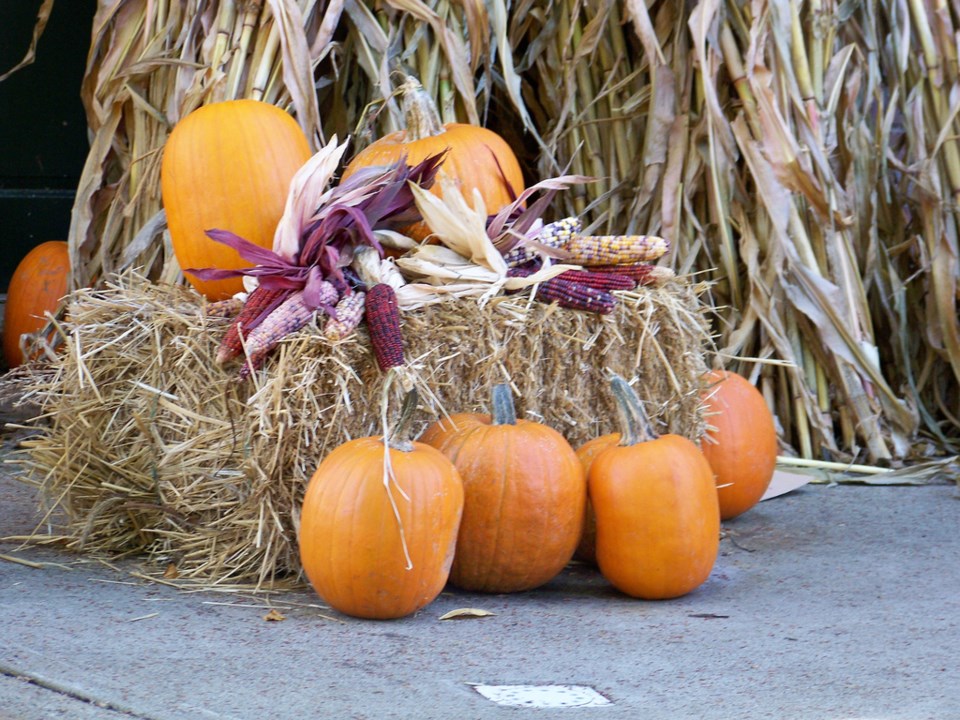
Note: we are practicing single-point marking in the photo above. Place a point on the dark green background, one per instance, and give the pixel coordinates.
(43, 129)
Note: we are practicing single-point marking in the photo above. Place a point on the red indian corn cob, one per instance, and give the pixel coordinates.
(641, 273)
(291, 315)
(600, 281)
(260, 300)
(383, 323)
(350, 311)
(570, 294)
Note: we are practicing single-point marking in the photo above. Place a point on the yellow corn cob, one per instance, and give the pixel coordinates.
(615, 249)
(349, 314)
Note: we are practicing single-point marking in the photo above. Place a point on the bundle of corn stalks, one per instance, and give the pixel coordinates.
(145, 444)
(800, 156)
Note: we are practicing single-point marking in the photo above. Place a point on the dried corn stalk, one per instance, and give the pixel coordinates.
(149, 64)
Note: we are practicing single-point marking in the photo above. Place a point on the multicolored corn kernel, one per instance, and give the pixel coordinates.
(600, 281)
(576, 296)
(641, 273)
(291, 315)
(258, 302)
(349, 313)
(226, 308)
(588, 250)
(556, 235)
(382, 314)
(569, 293)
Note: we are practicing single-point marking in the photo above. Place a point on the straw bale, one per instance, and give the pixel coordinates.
(145, 445)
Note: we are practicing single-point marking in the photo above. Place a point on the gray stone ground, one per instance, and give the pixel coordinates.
(829, 603)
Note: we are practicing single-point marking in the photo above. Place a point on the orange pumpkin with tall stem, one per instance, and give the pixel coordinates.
(658, 519)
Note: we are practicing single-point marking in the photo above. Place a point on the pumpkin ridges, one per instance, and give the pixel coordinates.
(387, 551)
(523, 536)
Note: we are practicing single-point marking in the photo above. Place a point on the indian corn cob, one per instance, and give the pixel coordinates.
(349, 313)
(226, 308)
(600, 281)
(641, 273)
(569, 293)
(383, 323)
(555, 235)
(291, 315)
(259, 302)
(588, 250)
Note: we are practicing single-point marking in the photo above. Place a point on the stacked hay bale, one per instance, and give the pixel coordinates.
(148, 446)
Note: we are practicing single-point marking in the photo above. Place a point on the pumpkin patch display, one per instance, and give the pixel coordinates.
(36, 287)
(524, 500)
(740, 443)
(378, 525)
(475, 157)
(658, 520)
(228, 166)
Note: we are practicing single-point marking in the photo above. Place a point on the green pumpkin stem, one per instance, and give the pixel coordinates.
(635, 426)
(502, 411)
(419, 111)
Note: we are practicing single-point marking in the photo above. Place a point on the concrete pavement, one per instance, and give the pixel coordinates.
(829, 603)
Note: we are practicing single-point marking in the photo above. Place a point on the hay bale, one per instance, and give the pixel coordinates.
(146, 445)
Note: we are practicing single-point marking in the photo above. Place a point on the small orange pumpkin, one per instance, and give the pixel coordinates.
(524, 500)
(741, 444)
(658, 519)
(477, 158)
(228, 166)
(587, 547)
(36, 287)
(381, 549)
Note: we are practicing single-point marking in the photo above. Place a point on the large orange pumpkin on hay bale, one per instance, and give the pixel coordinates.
(37, 286)
(476, 158)
(741, 442)
(228, 166)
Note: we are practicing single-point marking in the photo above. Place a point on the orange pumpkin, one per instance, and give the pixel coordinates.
(524, 500)
(477, 158)
(587, 547)
(376, 549)
(36, 287)
(741, 443)
(228, 166)
(658, 519)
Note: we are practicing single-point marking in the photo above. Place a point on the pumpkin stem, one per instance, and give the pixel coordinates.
(419, 111)
(635, 426)
(399, 439)
(503, 411)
